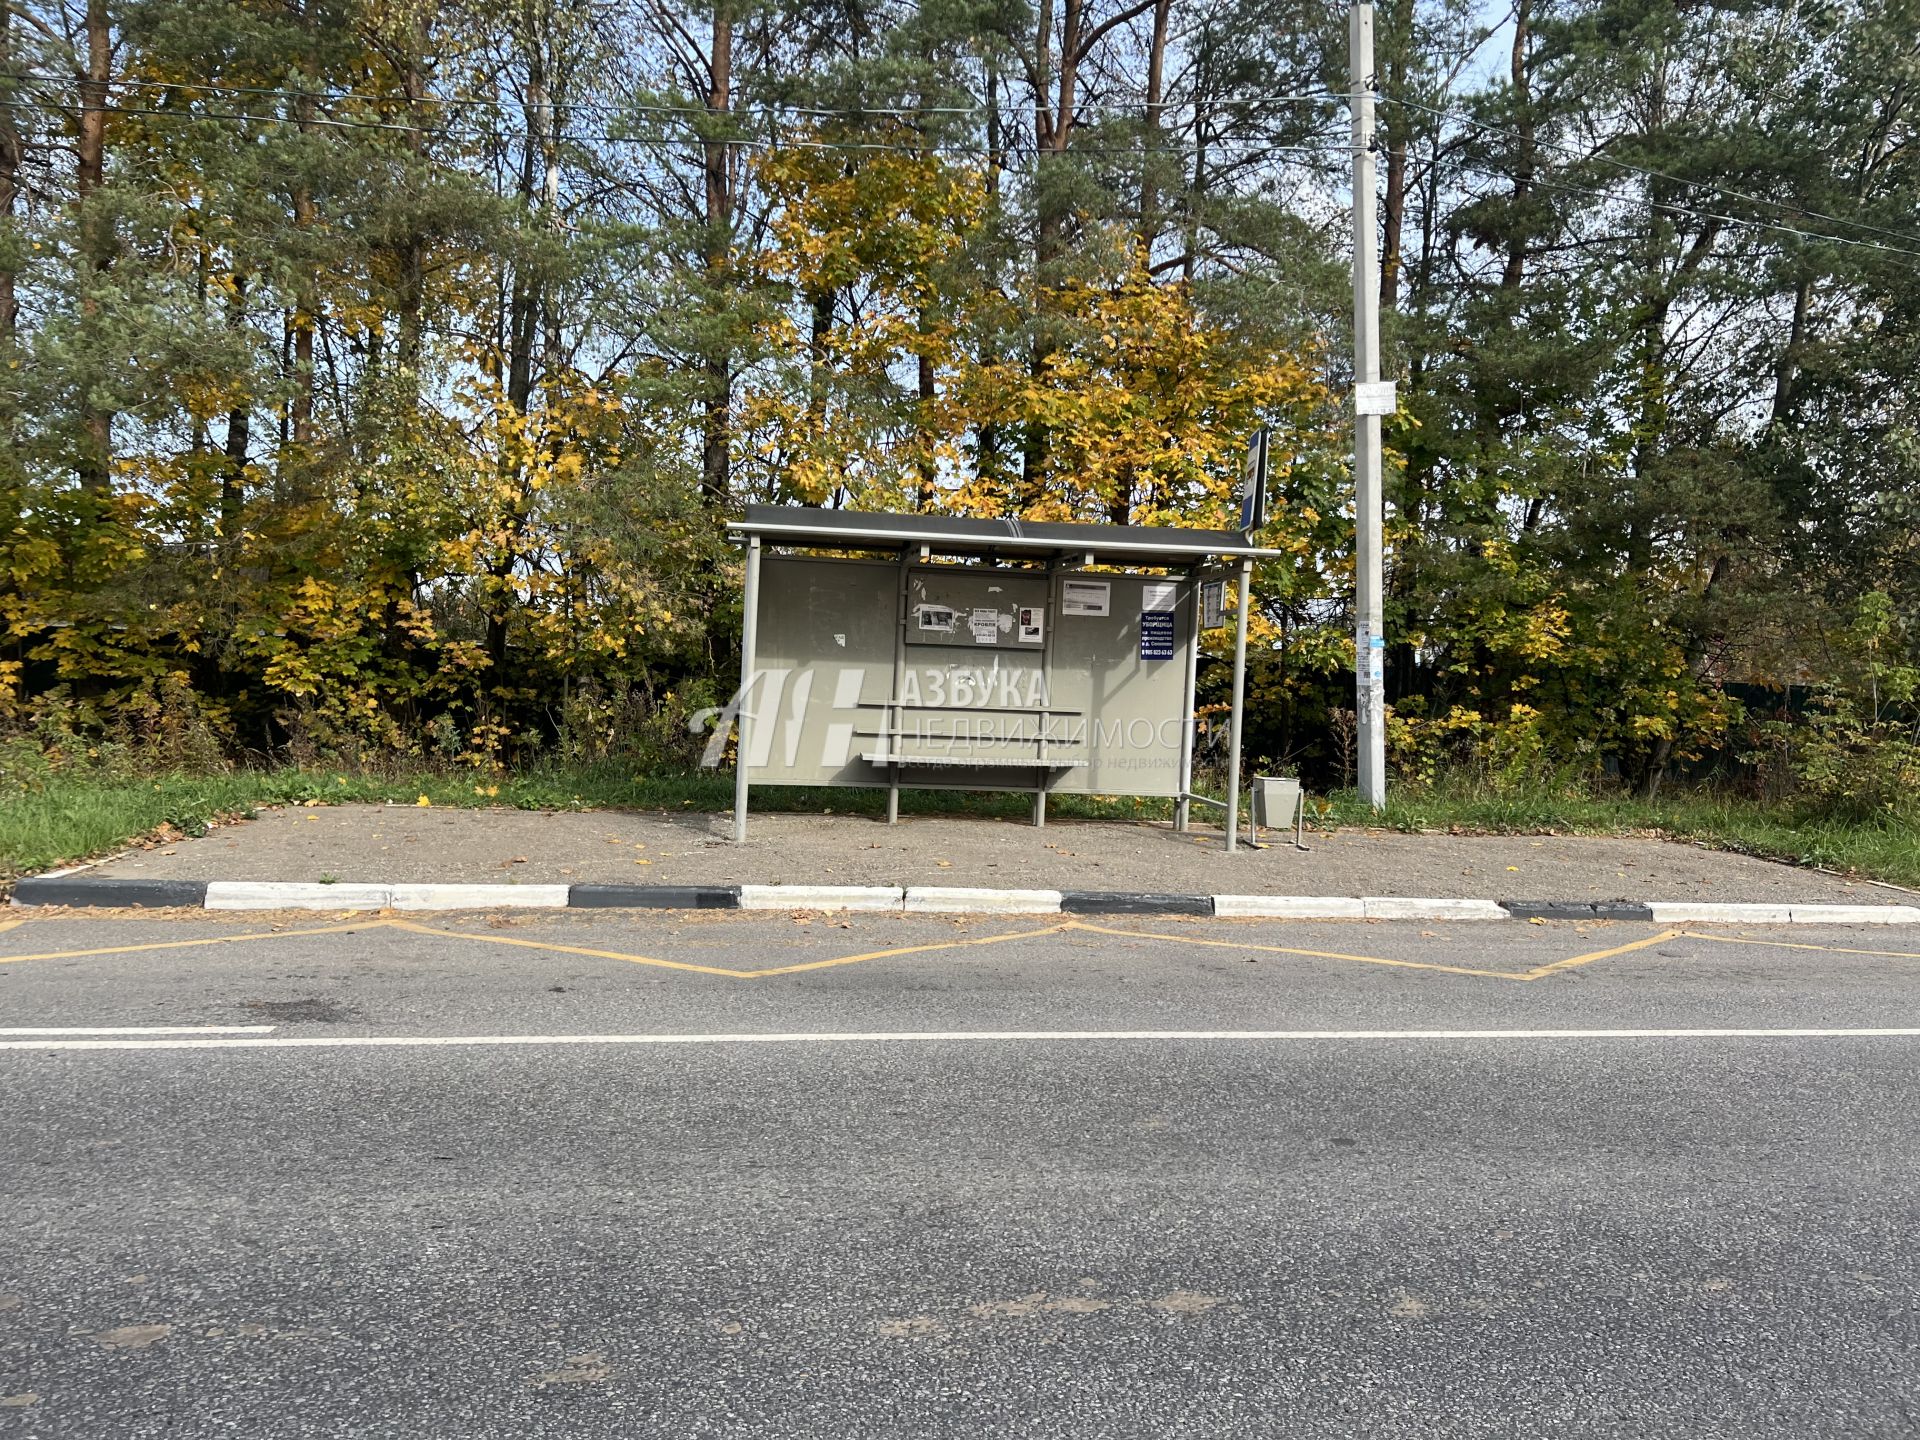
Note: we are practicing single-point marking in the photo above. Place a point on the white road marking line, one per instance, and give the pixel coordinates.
(884, 1037)
(137, 1030)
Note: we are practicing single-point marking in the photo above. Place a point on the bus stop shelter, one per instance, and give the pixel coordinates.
(933, 652)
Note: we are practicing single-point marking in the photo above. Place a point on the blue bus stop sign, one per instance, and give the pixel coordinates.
(1253, 484)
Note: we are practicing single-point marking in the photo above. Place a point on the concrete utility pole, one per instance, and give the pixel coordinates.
(1371, 400)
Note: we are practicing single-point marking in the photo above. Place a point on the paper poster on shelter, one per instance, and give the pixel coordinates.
(1086, 597)
(1032, 624)
(938, 618)
(1156, 635)
(986, 625)
(1159, 596)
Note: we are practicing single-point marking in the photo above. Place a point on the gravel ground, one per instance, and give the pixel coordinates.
(393, 844)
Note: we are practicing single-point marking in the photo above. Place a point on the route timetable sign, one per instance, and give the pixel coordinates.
(1213, 604)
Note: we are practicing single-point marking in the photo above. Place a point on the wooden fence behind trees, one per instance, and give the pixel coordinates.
(379, 376)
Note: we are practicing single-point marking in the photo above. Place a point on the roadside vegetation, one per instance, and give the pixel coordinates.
(376, 383)
(52, 815)
(1885, 847)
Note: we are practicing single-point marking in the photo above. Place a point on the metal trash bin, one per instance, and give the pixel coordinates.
(1278, 802)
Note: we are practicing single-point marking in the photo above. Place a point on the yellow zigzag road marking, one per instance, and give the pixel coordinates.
(721, 970)
(1062, 928)
(420, 929)
(1537, 973)
(415, 927)
(1793, 945)
(913, 950)
(202, 940)
(1540, 972)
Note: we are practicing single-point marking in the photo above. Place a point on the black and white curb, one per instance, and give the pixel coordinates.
(75, 889)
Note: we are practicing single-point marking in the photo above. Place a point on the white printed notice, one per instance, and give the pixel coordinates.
(1159, 596)
(1086, 597)
(1032, 624)
(985, 625)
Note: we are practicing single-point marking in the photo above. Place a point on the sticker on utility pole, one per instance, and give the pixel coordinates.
(1369, 656)
(1032, 624)
(1213, 604)
(1156, 634)
(1375, 397)
(1086, 597)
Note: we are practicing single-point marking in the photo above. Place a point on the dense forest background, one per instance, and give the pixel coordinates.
(377, 377)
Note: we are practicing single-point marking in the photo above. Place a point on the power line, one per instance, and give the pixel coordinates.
(1692, 212)
(623, 138)
(619, 108)
(1647, 173)
(946, 147)
(485, 133)
(598, 107)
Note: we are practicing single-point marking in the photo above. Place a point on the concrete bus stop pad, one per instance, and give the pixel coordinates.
(374, 844)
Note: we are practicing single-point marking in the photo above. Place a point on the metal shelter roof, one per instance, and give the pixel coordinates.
(804, 526)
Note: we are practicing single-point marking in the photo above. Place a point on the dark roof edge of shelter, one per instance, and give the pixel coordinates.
(954, 535)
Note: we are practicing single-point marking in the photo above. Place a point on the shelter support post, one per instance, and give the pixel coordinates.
(1046, 684)
(1182, 807)
(1244, 604)
(894, 721)
(749, 641)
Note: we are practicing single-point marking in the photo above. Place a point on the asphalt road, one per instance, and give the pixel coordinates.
(1304, 1203)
